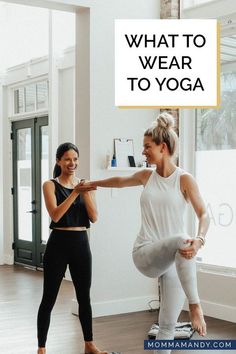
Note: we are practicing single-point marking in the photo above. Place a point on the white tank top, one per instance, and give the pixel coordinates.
(162, 208)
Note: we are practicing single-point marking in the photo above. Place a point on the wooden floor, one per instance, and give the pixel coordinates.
(20, 294)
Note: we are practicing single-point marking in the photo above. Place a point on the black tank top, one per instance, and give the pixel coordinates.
(76, 215)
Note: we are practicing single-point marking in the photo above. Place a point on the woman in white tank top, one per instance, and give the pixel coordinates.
(162, 248)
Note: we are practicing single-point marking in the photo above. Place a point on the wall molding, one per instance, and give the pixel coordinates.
(119, 306)
(216, 310)
(220, 311)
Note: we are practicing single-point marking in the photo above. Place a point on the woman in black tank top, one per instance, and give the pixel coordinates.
(71, 206)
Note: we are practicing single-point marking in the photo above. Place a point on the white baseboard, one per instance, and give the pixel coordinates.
(1, 258)
(220, 311)
(107, 308)
(8, 259)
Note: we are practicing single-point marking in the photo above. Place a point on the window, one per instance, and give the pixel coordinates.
(19, 100)
(216, 173)
(42, 95)
(191, 3)
(31, 98)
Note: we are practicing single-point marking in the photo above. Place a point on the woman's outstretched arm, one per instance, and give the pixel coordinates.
(137, 179)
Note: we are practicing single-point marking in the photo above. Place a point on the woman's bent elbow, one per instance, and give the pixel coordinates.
(55, 219)
(93, 218)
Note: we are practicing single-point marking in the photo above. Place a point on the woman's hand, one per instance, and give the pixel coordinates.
(84, 186)
(90, 185)
(191, 251)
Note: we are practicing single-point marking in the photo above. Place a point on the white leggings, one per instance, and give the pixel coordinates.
(177, 278)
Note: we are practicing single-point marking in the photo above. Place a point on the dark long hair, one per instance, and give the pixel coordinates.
(60, 152)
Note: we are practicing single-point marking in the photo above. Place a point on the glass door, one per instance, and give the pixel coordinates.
(30, 169)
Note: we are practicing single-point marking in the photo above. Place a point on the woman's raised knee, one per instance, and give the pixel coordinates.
(182, 242)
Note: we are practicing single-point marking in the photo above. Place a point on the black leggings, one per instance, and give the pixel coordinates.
(72, 248)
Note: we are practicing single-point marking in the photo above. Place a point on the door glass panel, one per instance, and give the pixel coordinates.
(24, 184)
(44, 176)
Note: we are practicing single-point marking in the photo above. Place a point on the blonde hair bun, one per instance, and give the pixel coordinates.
(162, 131)
(165, 121)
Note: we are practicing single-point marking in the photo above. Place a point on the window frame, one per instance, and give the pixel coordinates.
(24, 84)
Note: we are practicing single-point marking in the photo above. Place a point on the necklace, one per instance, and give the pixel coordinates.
(69, 185)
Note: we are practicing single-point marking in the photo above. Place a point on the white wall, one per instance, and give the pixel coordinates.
(6, 182)
(117, 285)
(66, 112)
(1, 178)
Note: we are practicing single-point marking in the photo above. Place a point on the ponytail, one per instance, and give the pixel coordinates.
(56, 171)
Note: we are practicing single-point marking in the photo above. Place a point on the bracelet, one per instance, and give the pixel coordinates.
(202, 239)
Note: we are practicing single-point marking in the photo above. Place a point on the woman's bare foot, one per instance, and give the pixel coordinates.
(197, 319)
(41, 351)
(90, 348)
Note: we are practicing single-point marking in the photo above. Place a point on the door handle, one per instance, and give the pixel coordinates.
(32, 211)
